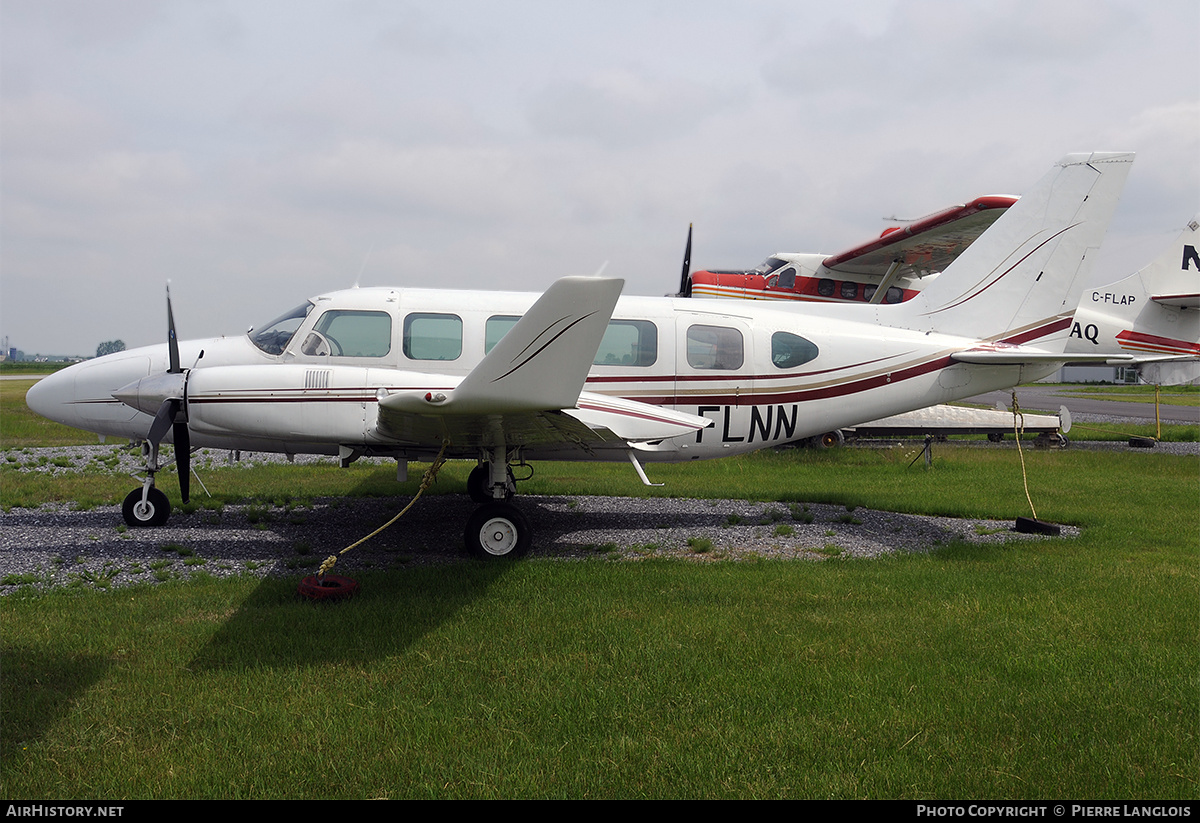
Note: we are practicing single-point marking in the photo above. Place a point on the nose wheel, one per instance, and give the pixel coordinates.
(146, 508)
(498, 530)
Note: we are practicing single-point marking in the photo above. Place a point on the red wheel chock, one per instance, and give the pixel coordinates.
(329, 587)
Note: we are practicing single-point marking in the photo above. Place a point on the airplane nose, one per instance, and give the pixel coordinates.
(50, 396)
(81, 396)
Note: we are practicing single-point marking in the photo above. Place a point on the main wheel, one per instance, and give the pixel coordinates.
(478, 480)
(498, 530)
(829, 440)
(153, 512)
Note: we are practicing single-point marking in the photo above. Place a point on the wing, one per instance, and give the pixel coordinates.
(924, 246)
(528, 390)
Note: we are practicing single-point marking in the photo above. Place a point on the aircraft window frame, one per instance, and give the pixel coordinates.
(350, 333)
(826, 287)
(790, 351)
(275, 337)
(418, 347)
(618, 347)
(723, 348)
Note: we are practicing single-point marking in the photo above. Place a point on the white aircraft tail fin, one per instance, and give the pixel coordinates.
(1021, 280)
(1151, 314)
(543, 360)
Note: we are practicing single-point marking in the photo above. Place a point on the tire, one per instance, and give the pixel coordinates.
(151, 515)
(477, 484)
(497, 531)
(331, 587)
(829, 440)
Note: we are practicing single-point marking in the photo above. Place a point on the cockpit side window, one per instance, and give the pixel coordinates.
(275, 336)
(769, 265)
(347, 333)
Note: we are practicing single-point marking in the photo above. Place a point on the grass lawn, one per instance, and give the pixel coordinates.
(1058, 669)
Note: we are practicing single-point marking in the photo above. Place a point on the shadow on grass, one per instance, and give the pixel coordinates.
(276, 627)
(37, 688)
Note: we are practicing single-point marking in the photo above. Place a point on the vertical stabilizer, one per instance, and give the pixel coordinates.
(1021, 280)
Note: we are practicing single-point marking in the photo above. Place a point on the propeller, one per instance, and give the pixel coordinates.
(178, 409)
(685, 280)
(166, 396)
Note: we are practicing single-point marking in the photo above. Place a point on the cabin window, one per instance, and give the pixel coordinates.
(894, 295)
(825, 287)
(275, 336)
(496, 327)
(350, 334)
(791, 350)
(628, 343)
(869, 292)
(787, 279)
(849, 290)
(433, 336)
(714, 347)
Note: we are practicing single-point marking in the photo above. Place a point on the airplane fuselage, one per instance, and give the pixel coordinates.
(763, 375)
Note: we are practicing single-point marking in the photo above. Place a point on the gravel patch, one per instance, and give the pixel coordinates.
(58, 545)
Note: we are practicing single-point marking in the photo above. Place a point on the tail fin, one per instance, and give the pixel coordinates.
(1021, 280)
(1151, 314)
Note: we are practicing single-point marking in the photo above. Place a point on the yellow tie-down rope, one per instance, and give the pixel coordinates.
(426, 482)
(1018, 428)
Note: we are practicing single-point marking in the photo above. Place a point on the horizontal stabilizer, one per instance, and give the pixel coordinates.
(1020, 355)
(540, 364)
(1179, 301)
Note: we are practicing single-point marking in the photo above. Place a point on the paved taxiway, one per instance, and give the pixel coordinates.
(1047, 397)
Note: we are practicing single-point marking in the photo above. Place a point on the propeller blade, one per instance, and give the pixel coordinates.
(172, 340)
(162, 421)
(685, 280)
(183, 457)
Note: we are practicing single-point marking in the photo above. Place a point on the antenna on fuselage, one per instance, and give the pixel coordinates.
(363, 267)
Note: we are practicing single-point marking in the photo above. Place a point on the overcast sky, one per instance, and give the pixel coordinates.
(258, 152)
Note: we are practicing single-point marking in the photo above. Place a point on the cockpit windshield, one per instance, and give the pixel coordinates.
(274, 337)
(769, 265)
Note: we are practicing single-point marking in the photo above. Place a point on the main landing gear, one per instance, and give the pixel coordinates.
(497, 529)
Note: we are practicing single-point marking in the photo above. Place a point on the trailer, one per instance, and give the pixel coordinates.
(942, 421)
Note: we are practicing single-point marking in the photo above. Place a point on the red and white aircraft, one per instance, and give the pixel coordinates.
(580, 373)
(889, 269)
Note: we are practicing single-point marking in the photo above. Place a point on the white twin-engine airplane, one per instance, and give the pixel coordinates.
(581, 373)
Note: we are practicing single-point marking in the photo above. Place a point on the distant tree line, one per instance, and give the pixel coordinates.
(110, 346)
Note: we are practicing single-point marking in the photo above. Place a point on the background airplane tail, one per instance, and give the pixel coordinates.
(1151, 314)
(1021, 280)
